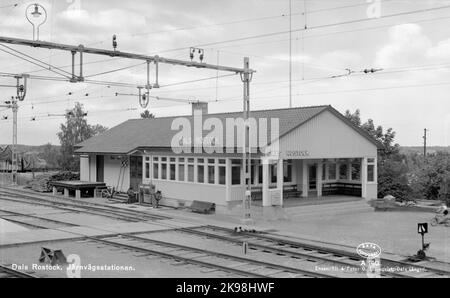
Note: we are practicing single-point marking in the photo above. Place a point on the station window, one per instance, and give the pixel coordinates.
(253, 172)
(211, 171)
(273, 173)
(222, 175)
(163, 170)
(190, 168)
(371, 170)
(200, 173)
(155, 169)
(147, 170)
(236, 171)
(356, 171)
(172, 171)
(181, 169)
(260, 176)
(332, 171)
(343, 171)
(287, 171)
(324, 171)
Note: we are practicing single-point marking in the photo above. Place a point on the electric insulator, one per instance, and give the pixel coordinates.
(143, 100)
(114, 42)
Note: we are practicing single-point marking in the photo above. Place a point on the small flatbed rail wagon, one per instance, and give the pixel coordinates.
(77, 188)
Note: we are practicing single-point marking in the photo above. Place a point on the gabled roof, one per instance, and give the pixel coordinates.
(157, 133)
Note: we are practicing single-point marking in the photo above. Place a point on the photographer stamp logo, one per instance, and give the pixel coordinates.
(369, 250)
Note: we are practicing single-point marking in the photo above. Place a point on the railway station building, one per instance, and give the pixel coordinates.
(305, 152)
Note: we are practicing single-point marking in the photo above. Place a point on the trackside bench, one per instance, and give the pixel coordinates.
(202, 207)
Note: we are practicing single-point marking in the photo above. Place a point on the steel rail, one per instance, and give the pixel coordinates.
(212, 253)
(329, 250)
(85, 209)
(82, 204)
(15, 273)
(291, 253)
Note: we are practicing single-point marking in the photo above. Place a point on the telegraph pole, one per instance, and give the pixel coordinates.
(245, 73)
(425, 143)
(14, 106)
(290, 53)
(246, 77)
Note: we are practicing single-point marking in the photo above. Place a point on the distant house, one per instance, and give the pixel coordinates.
(27, 161)
(320, 152)
(5, 158)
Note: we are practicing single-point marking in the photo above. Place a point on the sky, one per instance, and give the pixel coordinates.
(409, 93)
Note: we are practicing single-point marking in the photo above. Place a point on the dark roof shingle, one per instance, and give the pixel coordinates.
(157, 132)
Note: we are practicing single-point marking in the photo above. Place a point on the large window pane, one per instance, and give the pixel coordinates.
(211, 175)
(191, 173)
(155, 170)
(371, 173)
(163, 171)
(260, 177)
(147, 170)
(172, 171)
(287, 171)
(222, 175)
(200, 174)
(343, 172)
(181, 172)
(235, 175)
(273, 173)
(356, 171)
(332, 171)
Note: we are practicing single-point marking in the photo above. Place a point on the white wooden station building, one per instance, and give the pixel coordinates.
(319, 153)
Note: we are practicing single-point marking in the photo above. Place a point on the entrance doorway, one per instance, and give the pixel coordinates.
(135, 172)
(100, 162)
(312, 177)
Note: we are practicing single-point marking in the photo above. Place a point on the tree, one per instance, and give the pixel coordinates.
(147, 115)
(392, 170)
(74, 131)
(51, 155)
(355, 117)
(430, 178)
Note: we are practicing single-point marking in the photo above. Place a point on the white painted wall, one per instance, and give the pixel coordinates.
(93, 167)
(372, 191)
(111, 173)
(192, 191)
(84, 168)
(326, 136)
(237, 192)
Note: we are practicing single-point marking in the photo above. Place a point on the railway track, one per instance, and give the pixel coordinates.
(81, 207)
(240, 266)
(318, 253)
(7, 272)
(282, 249)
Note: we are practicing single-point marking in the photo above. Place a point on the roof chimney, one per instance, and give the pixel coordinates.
(200, 105)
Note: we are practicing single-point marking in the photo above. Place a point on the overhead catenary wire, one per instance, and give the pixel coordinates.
(307, 81)
(35, 59)
(315, 27)
(32, 62)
